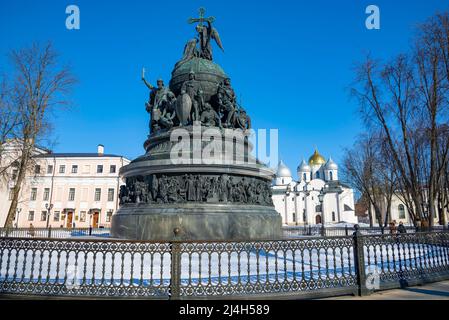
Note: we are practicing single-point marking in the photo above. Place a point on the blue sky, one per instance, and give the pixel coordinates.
(290, 61)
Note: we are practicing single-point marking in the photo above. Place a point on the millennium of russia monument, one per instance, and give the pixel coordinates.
(198, 179)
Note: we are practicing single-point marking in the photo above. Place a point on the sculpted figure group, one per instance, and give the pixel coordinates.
(167, 111)
(196, 188)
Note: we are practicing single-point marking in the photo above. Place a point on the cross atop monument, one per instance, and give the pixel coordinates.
(201, 18)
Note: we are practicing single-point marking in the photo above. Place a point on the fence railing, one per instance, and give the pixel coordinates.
(306, 267)
(58, 233)
(288, 231)
(316, 230)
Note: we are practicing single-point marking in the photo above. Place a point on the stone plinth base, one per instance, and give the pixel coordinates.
(196, 222)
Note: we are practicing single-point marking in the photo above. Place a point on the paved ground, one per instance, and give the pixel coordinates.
(433, 291)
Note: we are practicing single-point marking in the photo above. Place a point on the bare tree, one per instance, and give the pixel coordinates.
(8, 117)
(40, 84)
(361, 167)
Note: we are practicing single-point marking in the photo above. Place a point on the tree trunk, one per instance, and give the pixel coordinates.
(24, 159)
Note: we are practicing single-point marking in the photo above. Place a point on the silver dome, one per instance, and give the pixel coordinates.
(304, 167)
(283, 170)
(331, 165)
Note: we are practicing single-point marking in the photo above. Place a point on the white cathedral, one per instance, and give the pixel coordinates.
(317, 198)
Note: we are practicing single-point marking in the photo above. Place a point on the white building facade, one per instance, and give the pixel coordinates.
(317, 197)
(66, 190)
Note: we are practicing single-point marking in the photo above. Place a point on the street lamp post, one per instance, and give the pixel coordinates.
(306, 194)
(321, 199)
(90, 222)
(296, 208)
(18, 213)
(48, 207)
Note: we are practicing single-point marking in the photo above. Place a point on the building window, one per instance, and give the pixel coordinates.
(37, 169)
(33, 194)
(112, 168)
(56, 216)
(305, 176)
(333, 216)
(82, 216)
(331, 175)
(14, 174)
(318, 208)
(110, 194)
(317, 175)
(109, 215)
(72, 194)
(97, 194)
(44, 216)
(46, 194)
(49, 169)
(401, 210)
(100, 168)
(74, 169)
(294, 216)
(31, 216)
(304, 216)
(62, 169)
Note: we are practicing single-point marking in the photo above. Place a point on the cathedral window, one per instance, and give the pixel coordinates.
(331, 175)
(401, 210)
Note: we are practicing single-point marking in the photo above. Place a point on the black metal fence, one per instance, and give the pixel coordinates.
(288, 231)
(327, 231)
(58, 233)
(307, 267)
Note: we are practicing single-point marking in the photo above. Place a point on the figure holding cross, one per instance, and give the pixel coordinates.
(205, 34)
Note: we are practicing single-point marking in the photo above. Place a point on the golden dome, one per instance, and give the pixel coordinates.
(316, 159)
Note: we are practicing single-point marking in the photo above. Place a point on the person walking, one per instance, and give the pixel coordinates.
(418, 225)
(31, 230)
(401, 228)
(393, 228)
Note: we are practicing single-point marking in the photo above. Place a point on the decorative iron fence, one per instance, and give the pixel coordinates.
(307, 267)
(288, 232)
(58, 233)
(316, 230)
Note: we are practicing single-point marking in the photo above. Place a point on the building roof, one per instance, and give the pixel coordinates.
(331, 165)
(283, 170)
(77, 155)
(304, 167)
(316, 159)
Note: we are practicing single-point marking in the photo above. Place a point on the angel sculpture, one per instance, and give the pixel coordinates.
(205, 34)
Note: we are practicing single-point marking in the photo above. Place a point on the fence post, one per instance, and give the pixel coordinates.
(175, 275)
(359, 262)
(90, 230)
(49, 232)
(323, 230)
(346, 230)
